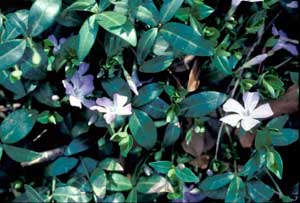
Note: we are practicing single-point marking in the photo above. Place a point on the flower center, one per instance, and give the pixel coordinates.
(246, 113)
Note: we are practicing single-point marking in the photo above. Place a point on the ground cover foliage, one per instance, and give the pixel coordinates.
(149, 100)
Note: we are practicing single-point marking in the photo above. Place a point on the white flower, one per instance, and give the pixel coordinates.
(235, 3)
(248, 114)
(112, 108)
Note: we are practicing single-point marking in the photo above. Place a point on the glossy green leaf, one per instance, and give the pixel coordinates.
(216, 181)
(16, 126)
(1, 151)
(16, 22)
(251, 166)
(185, 39)
(204, 11)
(285, 137)
(84, 5)
(143, 129)
(70, 194)
(98, 181)
(118, 182)
(225, 64)
(61, 166)
(157, 64)
(132, 197)
(11, 52)
(278, 122)
(172, 134)
(117, 24)
(41, 15)
(154, 184)
(115, 198)
(116, 85)
(104, 4)
(17, 87)
(157, 109)
(87, 36)
(32, 194)
(236, 191)
(78, 145)
(44, 93)
(145, 44)
(186, 175)
(86, 164)
(274, 162)
(147, 94)
(259, 192)
(20, 154)
(147, 13)
(168, 9)
(201, 104)
(161, 166)
(110, 164)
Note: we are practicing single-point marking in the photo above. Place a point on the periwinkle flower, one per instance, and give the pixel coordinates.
(112, 108)
(256, 60)
(79, 86)
(292, 4)
(248, 114)
(236, 3)
(57, 43)
(284, 42)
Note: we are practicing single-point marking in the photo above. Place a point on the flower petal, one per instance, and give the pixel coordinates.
(74, 101)
(126, 110)
(232, 119)
(231, 105)
(109, 117)
(119, 100)
(263, 111)
(251, 100)
(83, 68)
(67, 86)
(104, 102)
(248, 123)
(53, 39)
(99, 109)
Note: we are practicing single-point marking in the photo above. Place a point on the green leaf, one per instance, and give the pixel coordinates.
(294, 77)
(161, 166)
(143, 129)
(86, 165)
(225, 64)
(205, 11)
(110, 164)
(84, 5)
(201, 104)
(251, 166)
(117, 24)
(70, 194)
(259, 192)
(11, 52)
(118, 182)
(132, 197)
(1, 151)
(157, 109)
(44, 94)
(157, 64)
(61, 166)
(145, 44)
(116, 85)
(236, 191)
(186, 175)
(147, 94)
(104, 4)
(41, 15)
(98, 181)
(172, 134)
(17, 87)
(168, 9)
(278, 122)
(32, 194)
(115, 198)
(20, 154)
(87, 36)
(16, 126)
(154, 184)
(285, 137)
(147, 13)
(18, 22)
(216, 181)
(77, 145)
(185, 39)
(274, 162)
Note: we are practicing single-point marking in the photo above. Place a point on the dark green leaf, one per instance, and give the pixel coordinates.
(153, 184)
(216, 181)
(143, 129)
(87, 36)
(11, 52)
(186, 175)
(278, 122)
(147, 13)
(41, 16)
(259, 192)
(20, 154)
(157, 64)
(118, 182)
(145, 44)
(201, 104)
(110, 164)
(18, 23)
(61, 166)
(17, 88)
(132, 197)
(285, 137)
(98, 181)
(225, 64)
(115, 198)
(84, 5)
(157, 109)
(236, 191)
(168, 9)
(148, 94)
(44, 94)
(185, 39)
(78, 145)
(161, 166)
(16, 126)
(172, 134)
(274, 162)
(70, 194)
(116, 85)
(32, 194)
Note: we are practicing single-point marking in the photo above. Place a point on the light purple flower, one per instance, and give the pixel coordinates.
(248, 114)
(57, 43)
(256, 60)
(284, 42)
(236, 3)
(191, 194)
(112, 108)
(79, 86)
(292, 4)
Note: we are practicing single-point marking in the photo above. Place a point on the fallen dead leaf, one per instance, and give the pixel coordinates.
(194, 82)
(201, 162)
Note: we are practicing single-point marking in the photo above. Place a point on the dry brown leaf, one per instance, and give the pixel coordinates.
(247, 140)
(194, 81)
(201, 162)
